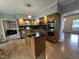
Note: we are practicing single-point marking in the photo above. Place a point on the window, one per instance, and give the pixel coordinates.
(75, 25)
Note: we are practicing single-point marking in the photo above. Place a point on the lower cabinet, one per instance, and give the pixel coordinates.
(36, 45)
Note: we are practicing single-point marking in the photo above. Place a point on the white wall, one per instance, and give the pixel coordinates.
(0, 29)
(61, 29)
(68, 24)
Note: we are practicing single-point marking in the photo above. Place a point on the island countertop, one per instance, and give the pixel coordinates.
(36, 34)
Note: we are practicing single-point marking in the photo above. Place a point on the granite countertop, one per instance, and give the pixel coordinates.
(36, 34)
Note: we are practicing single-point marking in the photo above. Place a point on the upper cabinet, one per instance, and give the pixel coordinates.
(20, 22)
(40, 21)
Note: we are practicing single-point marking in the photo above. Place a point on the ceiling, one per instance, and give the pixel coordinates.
(20, 6)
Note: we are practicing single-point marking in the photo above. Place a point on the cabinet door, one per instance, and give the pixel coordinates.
(40, 45)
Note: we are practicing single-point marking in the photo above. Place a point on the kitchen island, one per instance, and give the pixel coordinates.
(36, 42)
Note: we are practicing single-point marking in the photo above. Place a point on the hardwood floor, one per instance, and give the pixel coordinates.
(68, 49)
(16, 49)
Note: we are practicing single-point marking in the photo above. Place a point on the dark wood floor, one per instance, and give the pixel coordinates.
(67, 49)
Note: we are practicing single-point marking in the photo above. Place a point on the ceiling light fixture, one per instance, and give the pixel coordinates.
(64, 19)
(29, 16)
(28, 5)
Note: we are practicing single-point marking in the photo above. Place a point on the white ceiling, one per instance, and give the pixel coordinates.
(20, 6)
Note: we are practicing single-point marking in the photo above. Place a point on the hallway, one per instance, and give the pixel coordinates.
(69, 49)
